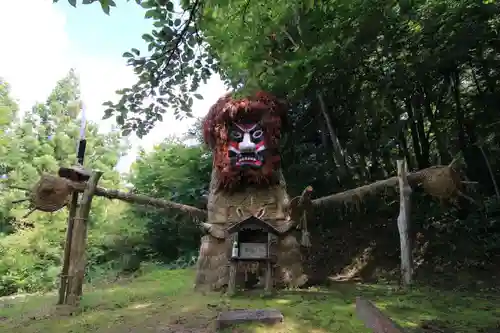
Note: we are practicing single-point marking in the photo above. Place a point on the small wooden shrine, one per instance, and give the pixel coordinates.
(253, 242)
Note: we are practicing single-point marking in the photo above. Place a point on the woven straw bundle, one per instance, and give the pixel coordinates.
(441, 182)
(50, 194)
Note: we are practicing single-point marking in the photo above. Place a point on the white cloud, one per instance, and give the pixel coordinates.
(38, 52)
(34, 48)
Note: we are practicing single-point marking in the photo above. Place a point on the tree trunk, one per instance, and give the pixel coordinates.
(444, 154)
(339, 153)
(414, 135)
(404, 224)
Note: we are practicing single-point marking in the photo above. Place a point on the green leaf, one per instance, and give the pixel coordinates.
(120, 120)
(309, 4)
(105, 8)
(198, 96)
(177, 22)
(136, 51)
(148, 4)
(72, 3)
(107, 114)
(126, 132)
(170, 6)
(191, 41)
(152, 13)
(148, 38)
(127, 55)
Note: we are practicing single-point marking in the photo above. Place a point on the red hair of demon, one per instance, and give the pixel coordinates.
(262, 108)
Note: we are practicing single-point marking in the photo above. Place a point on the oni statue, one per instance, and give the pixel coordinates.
(244, 137)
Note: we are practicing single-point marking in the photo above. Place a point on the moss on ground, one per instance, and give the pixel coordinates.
(163, 301)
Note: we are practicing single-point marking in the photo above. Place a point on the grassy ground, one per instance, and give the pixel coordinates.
(163, 301)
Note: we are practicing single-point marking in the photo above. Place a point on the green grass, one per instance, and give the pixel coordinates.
(163, 301)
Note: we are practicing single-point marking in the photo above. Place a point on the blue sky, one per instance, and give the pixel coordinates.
(61, 37)
(94, 32)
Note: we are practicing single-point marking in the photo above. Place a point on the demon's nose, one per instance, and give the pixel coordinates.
(246, 145)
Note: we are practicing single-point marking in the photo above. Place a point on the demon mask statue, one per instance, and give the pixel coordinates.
(244, 136)
(246, 145)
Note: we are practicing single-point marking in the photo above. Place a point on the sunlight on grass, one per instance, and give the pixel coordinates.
(282, 301)
(140, 306)
(164, 298)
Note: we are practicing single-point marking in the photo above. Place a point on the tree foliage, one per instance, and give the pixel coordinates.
(179, 173)
(170, 74)
(120, 236)
(45, 138)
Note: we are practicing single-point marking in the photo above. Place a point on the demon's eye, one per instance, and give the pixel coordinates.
(236, 135)
(257, 134)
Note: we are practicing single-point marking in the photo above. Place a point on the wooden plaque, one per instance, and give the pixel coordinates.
(253, 250)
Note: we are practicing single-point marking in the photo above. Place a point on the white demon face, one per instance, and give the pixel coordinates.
(246, 145)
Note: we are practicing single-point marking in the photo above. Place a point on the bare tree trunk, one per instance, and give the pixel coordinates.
(444, 154)
(414, 136)
(492, 175)
(404, 224)
(339, 154)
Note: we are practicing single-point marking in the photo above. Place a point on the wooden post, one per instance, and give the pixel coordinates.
(78, 242)
(231, 287)
(269, 276)
(67, 250)
(404, 224)
(269, 266)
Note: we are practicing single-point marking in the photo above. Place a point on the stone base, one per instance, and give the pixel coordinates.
(234, 317)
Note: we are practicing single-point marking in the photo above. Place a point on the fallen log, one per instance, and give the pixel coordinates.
(374, 319)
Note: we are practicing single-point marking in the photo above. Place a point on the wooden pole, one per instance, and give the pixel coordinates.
(231, 286)
(67, 250)
(269, 266)
(77, 255)
(404, 223)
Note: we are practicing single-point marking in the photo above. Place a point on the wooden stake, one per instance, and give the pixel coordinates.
(404, 223)
(269, 266)
(63, 293)
(78, 242)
